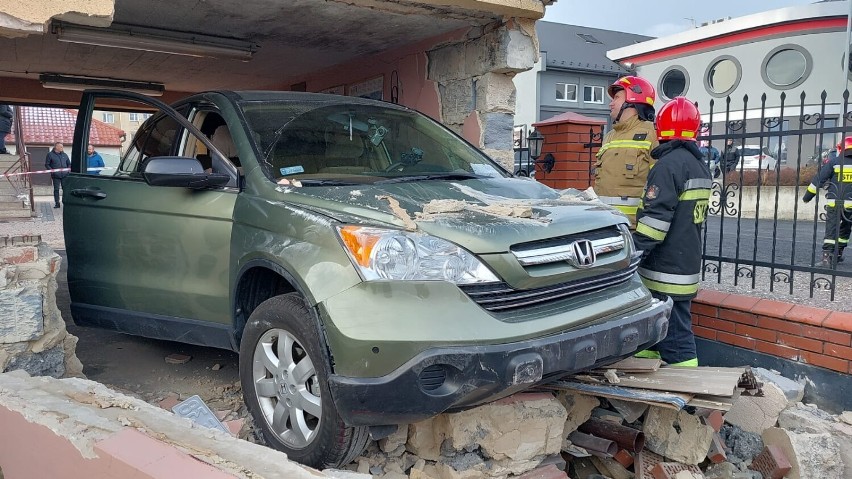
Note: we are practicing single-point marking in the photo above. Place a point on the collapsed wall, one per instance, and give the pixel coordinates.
(33, 337)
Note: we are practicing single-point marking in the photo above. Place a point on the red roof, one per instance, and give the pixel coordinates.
(46, 126)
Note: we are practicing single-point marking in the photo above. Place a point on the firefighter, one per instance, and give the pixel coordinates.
(668, 230)
(624, 159)
(837, 172)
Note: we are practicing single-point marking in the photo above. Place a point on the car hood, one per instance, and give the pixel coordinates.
(484, 215)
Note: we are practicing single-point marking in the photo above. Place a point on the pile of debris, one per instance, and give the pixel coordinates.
(634, 420)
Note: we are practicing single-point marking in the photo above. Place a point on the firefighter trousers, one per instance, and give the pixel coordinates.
(838, 224)
(678, 347)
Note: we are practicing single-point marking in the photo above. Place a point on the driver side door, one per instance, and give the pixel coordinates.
(148, 260)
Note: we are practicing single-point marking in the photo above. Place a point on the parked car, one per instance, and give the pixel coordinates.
(752, 158)
(307, 249)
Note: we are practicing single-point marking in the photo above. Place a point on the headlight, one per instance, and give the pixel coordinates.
(400, 255)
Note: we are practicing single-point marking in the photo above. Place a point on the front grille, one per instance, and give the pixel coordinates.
(502, 297)
(562, 249)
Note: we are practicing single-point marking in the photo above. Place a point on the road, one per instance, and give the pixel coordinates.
(806, 249)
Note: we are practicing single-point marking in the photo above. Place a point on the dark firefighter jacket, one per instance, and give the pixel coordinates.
(673, 208)
(838, 174)
(623, 163)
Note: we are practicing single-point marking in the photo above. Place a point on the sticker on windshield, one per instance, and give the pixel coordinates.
(291, 170)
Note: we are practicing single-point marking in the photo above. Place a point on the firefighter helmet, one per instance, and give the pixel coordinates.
(636, 90)
(678, 119)
(845, 146)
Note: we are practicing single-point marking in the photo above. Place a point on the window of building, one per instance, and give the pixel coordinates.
(723, 76)
(566, 92)
(588, 38)
(673, 82)
(786, 66)
(593, 94)
(109, 117)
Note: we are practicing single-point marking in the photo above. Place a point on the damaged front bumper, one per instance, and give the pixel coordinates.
(458, 377)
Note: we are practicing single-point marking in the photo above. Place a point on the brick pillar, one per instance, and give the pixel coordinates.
(567, 137)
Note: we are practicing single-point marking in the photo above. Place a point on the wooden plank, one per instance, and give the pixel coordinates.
(711, 381)
(654, 398)
(711, 402)
(635, 365)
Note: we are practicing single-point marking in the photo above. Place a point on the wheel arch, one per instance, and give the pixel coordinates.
(258, 280)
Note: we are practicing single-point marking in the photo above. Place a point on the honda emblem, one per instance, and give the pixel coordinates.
(584, 254)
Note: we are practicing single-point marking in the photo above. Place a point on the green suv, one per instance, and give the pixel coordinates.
(370, 267)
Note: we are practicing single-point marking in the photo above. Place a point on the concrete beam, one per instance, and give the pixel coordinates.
(30, 92)
(507, 8)
(19, 19)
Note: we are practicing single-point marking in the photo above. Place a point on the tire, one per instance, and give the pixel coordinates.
(297, 394)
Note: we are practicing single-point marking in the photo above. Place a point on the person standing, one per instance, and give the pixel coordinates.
(837, 172)
(624, 159)
(731, 156)
(94, 162)
(57, 159)
(711, 157)
(668, 230)
(5, 126)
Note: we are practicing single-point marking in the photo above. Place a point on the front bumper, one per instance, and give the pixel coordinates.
(459, 377)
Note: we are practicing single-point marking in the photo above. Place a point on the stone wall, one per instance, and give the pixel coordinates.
(33, 337)
(474, 78)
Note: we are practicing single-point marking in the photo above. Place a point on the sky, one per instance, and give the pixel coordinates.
(664, 17)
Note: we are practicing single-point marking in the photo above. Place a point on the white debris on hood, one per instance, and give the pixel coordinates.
(508, 210)
(399, 212)
(355, 193)
(435, 207)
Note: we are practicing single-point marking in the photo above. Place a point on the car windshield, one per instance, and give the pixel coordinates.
(336, 142)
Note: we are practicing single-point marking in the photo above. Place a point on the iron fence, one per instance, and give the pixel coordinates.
(759, 234)
(758, 226)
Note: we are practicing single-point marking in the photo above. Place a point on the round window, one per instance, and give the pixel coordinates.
(723, 76)
(673, 83)
(786, 67)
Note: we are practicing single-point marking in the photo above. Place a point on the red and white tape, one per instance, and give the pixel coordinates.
(2, 175)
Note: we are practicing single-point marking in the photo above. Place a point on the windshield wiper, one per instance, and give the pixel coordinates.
(312, 182)
(431, 176)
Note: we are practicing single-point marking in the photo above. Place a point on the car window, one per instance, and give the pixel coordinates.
(156, 138)
(355, 141)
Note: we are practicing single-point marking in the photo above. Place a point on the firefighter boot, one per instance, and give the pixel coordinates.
(829, 260)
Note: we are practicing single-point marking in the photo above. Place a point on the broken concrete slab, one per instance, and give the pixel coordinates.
(806, 418)
(758, 413)
(424, 439)
(810, 455)
(396, 439)
(794, 391)
(84, 414)
(516, 433)
(579, 409)
(677, 435)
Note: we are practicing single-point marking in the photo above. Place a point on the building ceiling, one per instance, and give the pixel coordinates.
(294, 39)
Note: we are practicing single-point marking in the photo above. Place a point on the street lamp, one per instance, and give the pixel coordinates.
(535, 141)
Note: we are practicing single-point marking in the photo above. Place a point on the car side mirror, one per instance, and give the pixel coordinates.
(181, 172)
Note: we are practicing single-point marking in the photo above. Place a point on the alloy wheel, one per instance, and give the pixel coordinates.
(286, 387)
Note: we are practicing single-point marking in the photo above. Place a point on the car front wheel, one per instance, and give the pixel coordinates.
(284, 375)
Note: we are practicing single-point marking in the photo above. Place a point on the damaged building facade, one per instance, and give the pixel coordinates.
(452, 60)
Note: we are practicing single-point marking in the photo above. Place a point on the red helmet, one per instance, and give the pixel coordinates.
(845, 146)
(636, 90)
(678, 119)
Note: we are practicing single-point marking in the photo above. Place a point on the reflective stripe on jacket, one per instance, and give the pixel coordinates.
(837, 173)
(672, 210)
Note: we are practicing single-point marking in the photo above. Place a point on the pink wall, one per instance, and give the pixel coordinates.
(29, 450)
(411, 64)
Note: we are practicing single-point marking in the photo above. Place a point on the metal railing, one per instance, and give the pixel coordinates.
(759, 234)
